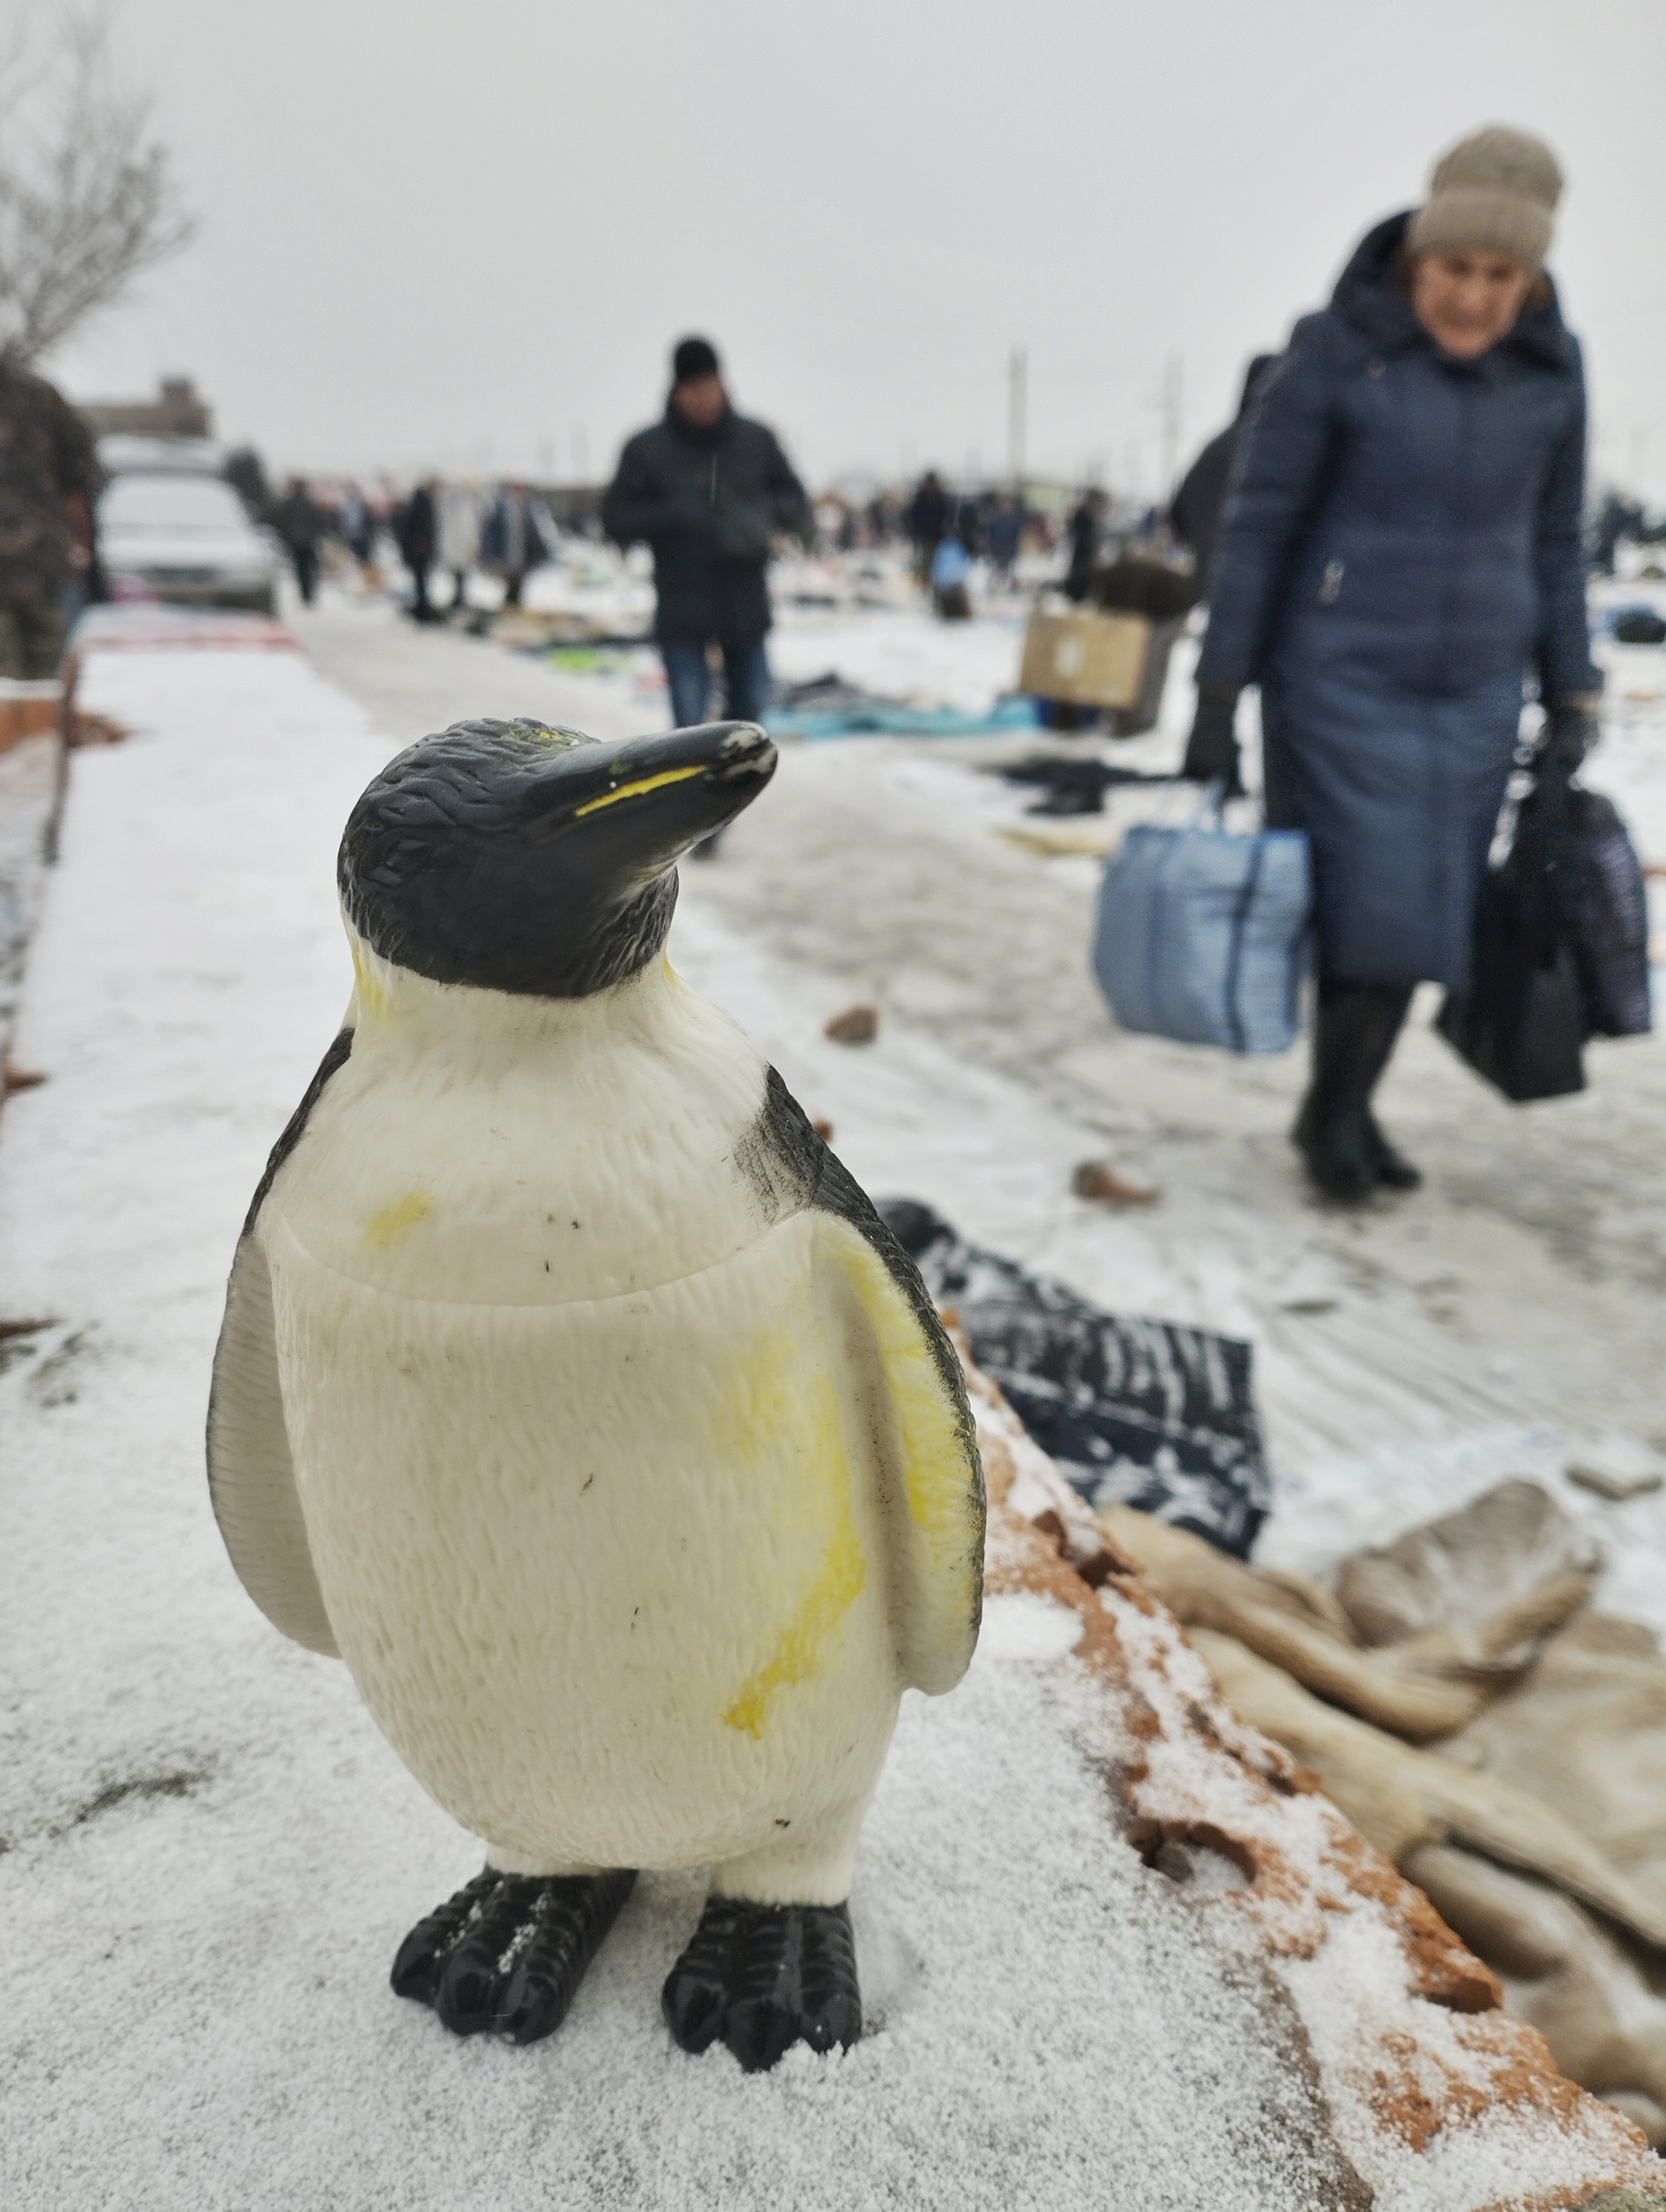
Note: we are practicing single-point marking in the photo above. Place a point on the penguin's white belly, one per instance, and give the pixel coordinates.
(612, 1574)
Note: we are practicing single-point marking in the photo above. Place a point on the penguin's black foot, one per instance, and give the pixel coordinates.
(761, 1977)
(505, 1955)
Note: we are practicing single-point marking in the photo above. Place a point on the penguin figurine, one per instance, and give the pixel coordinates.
(571, 1391)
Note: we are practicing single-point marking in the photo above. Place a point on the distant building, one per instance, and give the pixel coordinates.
(175, 412)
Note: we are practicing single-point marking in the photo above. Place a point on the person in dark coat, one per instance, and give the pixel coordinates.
(416, 533)
(358, 526)
(1619, 517)
(510, 541)
(1005, 533)
(926, 522)
(708, 491)
(48, 476)
(300, 524)
(1196, 512)
(1402, 547)
(1087, 529)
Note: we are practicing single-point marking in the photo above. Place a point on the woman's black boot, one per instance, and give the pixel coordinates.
(1355, 1026)
(1394, 1171)
(1335, 1138)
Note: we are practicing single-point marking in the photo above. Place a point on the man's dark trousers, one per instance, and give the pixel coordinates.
(745, 681)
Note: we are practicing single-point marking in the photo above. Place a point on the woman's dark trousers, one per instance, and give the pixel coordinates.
(1355, 1027)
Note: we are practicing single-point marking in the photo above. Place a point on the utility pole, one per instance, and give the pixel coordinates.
(1174, 386)
(1018, 413)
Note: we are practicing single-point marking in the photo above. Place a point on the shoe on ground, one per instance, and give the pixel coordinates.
(1340, 1157)
(1394, 1171)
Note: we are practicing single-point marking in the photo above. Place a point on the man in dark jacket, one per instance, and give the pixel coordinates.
(300, 523)
(47, 472)
(1195, 517)
(415, 532)
(708, 491)
(1087, 529)
(928, 523)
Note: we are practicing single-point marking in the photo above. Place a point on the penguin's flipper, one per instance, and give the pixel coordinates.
(909, 1382)
(251, 1480)
(905, 1374)
(251, 1477)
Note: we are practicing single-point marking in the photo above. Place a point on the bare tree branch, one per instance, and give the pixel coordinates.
(87, 197)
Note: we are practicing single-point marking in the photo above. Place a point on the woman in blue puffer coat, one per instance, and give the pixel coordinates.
(1401, 549)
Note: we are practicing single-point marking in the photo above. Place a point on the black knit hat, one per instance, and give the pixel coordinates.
(693, 357)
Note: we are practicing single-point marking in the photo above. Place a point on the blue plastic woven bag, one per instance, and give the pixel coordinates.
(1202, 935)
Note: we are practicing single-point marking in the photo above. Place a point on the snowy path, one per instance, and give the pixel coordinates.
(1408, 1357)
(210, 1856)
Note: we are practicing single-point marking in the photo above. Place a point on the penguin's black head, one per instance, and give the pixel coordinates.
(517, 858)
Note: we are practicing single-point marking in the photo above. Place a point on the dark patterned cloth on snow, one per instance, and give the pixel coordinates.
(1134, 1412)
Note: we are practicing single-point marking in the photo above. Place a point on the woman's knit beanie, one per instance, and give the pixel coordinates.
(1495, 193)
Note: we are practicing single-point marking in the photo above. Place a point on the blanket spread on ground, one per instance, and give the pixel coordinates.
(1134, 1412)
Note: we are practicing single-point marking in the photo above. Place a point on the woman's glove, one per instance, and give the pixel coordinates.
(1211, 750)
(1571, 730)
(1547, 813)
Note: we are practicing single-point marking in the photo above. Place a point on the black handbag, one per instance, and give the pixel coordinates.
(1521, 1024)
(1605, 904)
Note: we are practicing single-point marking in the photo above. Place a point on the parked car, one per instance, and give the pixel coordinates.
(123, 454)
(184, 537)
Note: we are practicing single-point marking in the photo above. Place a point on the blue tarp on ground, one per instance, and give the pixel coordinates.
(884, 718)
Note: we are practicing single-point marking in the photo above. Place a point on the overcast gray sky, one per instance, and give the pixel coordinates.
(463, 233)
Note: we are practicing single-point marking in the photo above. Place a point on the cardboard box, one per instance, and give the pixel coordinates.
(26, 709)
(1085, 657)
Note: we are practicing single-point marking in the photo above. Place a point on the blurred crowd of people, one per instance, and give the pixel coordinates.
(441, 531)
(452, 529)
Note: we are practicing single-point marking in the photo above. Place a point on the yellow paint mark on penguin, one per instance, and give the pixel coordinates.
(944, 1504)
(634, 790)
(389, 1223)
(780, 1411)
(371, 993)
(552, 734)
(801, 1645)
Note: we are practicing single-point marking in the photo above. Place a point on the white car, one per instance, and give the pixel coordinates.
(186, 538)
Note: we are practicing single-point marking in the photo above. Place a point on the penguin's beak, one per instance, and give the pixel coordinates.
(645, 801)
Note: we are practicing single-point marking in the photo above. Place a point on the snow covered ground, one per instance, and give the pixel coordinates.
(212, 1855)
